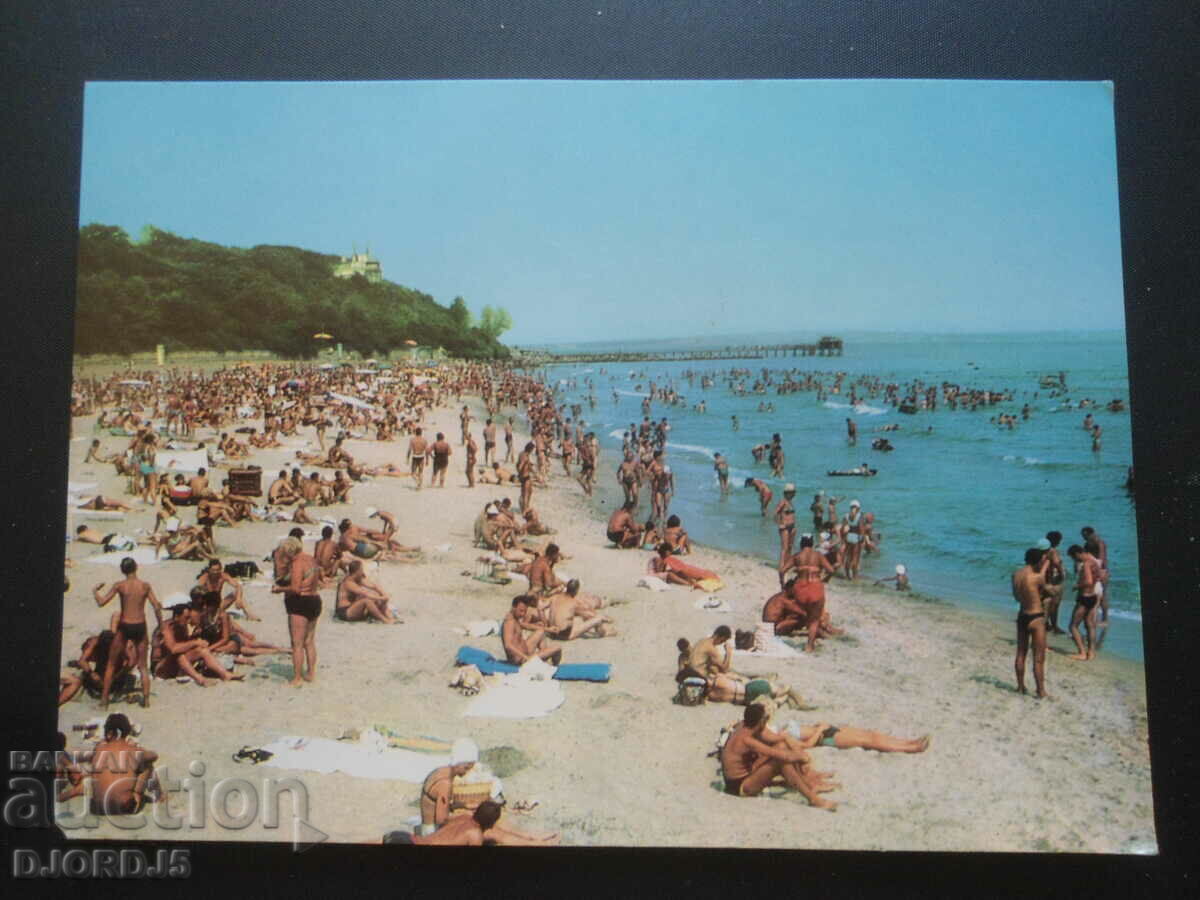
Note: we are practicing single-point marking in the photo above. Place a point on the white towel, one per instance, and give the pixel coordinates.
(517, 697)
(361, 760)
(776, 649)
(654, 584)
(143, 556)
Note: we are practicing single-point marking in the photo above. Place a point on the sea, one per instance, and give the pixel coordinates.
(959, 499)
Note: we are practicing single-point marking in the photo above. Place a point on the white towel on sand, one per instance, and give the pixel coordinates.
(776, 648)
(363, 759)
(517, 696)
(655, 584)
(143, 556)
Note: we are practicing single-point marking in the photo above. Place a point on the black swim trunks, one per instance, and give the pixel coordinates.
(1088, 601)
(397, 837)
(1023, 619)
(206, 520)
(733, 786)
(339, 613)
(616, 537)
(132, 631)
(307, 605)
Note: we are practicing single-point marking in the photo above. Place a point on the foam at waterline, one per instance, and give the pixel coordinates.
(691, 448)
(861, 409)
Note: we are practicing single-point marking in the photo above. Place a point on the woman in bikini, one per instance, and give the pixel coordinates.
(785, 519)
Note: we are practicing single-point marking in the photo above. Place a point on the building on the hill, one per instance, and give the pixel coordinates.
(359, 264)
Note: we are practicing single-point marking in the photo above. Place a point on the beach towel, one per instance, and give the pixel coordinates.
(518, 696)
(492, 579)
(143, 556)
(653, 583)
(709, 581)
(713, 604)
(489, 665)
(480, 628)
(369, 757)
(167, 461)
(776, 648)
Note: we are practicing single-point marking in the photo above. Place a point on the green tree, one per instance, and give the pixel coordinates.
(494, 321)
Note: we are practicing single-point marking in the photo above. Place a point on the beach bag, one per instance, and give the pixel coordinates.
(691, 692)
(243, 569)
(743, 640)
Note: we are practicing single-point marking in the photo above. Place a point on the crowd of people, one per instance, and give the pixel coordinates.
(202, 638)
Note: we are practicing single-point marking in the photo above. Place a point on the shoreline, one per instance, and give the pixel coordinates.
(620, 765)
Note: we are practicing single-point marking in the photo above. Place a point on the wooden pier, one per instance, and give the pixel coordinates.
(826, 346)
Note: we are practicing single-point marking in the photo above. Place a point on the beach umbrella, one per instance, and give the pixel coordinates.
(322, 336)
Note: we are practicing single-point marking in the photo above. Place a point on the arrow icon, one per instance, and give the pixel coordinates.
(305, 835)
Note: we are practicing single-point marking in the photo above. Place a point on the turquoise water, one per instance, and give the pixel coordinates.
(958, 505)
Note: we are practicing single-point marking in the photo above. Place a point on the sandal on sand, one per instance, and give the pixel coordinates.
(525, 806)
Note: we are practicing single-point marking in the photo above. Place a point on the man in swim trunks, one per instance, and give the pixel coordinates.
(1029, 589)
(721, 466)
(417, 448)
(525, 474)
(1087, 569)
(489, 442)
(441, 459)
(851, 432)
(542, 580)
(122, 772)
(303, 605)
(131, 625)
(628, 478)
(472, 453)
(359, 599)
(751, 760)
(622, 530)
(281, 492)
(508, 440)
(517, 647)
(356, 542)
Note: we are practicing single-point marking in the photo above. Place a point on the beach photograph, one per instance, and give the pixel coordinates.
(707, 464)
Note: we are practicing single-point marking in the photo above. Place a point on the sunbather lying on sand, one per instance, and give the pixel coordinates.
(475, 830)
(710, 659)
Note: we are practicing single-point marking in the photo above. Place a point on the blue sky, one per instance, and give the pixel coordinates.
(603, 210)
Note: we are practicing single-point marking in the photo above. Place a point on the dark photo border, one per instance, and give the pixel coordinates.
(1147, 49)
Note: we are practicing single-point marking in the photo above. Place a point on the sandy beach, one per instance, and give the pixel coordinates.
(619, 764)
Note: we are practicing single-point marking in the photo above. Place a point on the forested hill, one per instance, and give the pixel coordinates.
(189, 294)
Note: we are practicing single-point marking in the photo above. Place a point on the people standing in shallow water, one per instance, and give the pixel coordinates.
(721, 466)
(1029, 590)
(764, 494)
(1096, 546)
(1088, 576)
(785, 520)
(1055, 576)
(852, 527)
